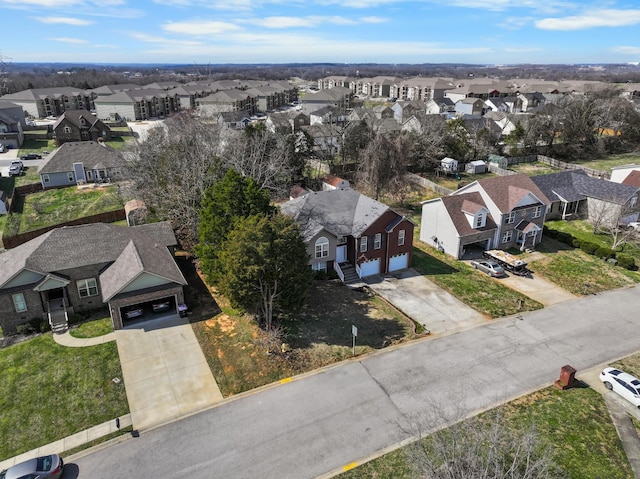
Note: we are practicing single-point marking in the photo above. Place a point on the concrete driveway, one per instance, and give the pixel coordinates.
(537, 288)
(166, 375)
(424, 302)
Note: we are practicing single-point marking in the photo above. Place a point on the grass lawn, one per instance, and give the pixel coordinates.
(579, 272)
(533, 169)
(236, 349)
(92, 329)
(51, 207)
(36, 146)
(574, 422)
(472, 287)
(30, 175)
(609, 161)
(119, 142)
(50, 391)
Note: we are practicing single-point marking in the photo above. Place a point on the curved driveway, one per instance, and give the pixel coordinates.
(315, 425)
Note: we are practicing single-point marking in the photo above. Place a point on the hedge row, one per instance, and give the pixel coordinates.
(623, 260)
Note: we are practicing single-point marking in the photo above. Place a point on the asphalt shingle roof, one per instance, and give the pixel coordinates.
(90, 153)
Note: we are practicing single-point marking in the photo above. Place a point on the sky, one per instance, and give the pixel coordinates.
(212, 32)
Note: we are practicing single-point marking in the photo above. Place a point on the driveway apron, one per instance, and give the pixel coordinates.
(424, 302)
(165, 372)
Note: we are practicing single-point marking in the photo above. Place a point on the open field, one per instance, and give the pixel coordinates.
(50, 391)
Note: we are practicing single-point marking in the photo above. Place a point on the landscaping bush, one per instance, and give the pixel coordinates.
(626, 261)
(565, 238)
(576, 243)
(588, 247)
(605, 253)
(549, 232)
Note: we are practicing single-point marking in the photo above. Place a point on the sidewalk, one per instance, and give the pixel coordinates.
(70, 442)
(65, 339)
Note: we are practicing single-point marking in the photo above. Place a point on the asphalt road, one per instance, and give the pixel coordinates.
(317, 424)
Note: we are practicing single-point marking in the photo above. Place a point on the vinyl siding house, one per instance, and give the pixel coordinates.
(80, 268)
(43, 102)
(79, 162)
(345, 230)
(492, 213)
(574, 194)
(12, 123)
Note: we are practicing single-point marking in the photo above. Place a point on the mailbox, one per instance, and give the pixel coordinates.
(567, 377)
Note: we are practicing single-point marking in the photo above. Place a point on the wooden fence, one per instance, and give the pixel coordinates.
(429, 184)
(107, 217)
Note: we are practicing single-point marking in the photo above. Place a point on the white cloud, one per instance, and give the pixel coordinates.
(593, 19)
(64, 20)
(300, 22)
(105, 45)
(43, 3)
(200, 27)
(374, 20)
(143, 37)
(68, 40)
(627, 50)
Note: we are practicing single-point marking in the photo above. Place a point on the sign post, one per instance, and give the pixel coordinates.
(354, 333)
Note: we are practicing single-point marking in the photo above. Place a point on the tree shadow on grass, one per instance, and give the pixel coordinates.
(331, 311)
(196, 294)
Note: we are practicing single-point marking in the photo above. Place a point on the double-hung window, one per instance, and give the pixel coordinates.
(19, 303)
(87, 287)
(401, 238)
(377, 241)
(363, 244)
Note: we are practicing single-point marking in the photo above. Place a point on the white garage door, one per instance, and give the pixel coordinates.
(398, 261)
(370, 267)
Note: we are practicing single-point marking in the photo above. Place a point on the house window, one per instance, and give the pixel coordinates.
(510, 218)
(70, 176)
(322, 247)
(377, 241)
(319, 266)
(342, 240)
(401, 238)
(19, 303)
(87, 287)
(506, 236)
(363, 244)
(479, 221)
(634, 201)
(45, 178)
(537, 212)
(66, 129)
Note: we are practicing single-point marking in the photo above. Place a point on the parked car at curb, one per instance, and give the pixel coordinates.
(624, 384)
(15, 168)
(490, 267)
(31, 156)
(44, 467)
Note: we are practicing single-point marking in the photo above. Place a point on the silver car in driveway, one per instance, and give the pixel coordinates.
(490, 267)
(44, 467)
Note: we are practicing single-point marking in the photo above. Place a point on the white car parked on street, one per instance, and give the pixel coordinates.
(624, 384)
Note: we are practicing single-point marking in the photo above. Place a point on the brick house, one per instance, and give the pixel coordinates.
(80, 125)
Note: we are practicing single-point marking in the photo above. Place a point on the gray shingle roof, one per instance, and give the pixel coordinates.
(90, 153)
(576, 185)
(470, 203)
(342, 212)
(141, 247)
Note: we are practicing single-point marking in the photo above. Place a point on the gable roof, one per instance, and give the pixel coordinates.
(95, 244)
(576, 185)
(632, 179)
(342, 212)
(508, 191)
(90, 153)
(75, 117)
(470, 203)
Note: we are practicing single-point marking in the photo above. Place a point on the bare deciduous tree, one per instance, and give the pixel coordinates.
(172, 168)
(482, 447)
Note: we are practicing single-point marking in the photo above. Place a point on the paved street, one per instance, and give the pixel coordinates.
(315, 425)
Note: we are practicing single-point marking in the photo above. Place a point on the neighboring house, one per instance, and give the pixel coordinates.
(345, 228)
(574, 194)
(326, 138)
(80, 125)
(226, 100)
(620, 173)
(235, 120)
(492, 213)
(79, 268)
(79, 162)
(12, 123)
(336, 96)
(470, 107)
(332, 182)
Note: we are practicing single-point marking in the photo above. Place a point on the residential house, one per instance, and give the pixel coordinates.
(78, 268)
(344, 228)
(470, 107)
(80, 125)
(491, 213)
(44, 102)
(326, 138)
(235, 120)
(337, 96)
(79, 162)
(226, 100)
(286, 122)
(12, 123)
(574, 194)
(332, 182)
(620, 173)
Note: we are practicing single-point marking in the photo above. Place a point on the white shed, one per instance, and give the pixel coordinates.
(449, 165)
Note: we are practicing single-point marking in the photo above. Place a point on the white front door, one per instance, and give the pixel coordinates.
(341, 254)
